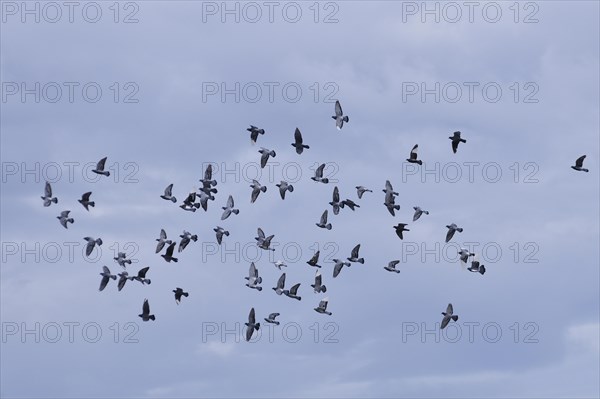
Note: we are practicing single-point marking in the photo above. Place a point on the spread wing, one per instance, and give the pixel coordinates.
(230, 202)
(48, 189)
(578, 163)
(251, 317)
(168, 190)
(324, 217)
(146, 307)
(208, 172)
(450, 310)
(336, 194)
(261, 234)
(281, 281)
(298, 137)
(294, 289)
(413, 152)
(355, 251)
(100, 165)
(338, 109)
(142, 272)
(319, 171)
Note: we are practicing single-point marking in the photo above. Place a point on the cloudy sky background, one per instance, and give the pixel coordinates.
(372, 52)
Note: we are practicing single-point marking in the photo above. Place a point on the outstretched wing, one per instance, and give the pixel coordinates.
(281, 281)
(338, 109)
(355, 251)
(100, 165)
(324, 217)
(579, 162)
(146, 307)
(251, 317)
(230, 202)
(336, 194)
(48, 189)
(298, 137)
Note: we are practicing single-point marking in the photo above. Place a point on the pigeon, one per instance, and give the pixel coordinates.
(190, 204)
(476, 267)
(400, 228)
(360, 190)
(256, 189)
(323, 222)
(390, 204)
(339, 264)
(271, 319)
(106, 276)
(123, 277)
(448, 314)
(121, 259)
(254, 132)
(455, 140)
(265, 154)
(318, 177)
(186, 237)
(146, 312)
(207, 181)
(349, 203)
(452, 228)
(280, 285)
(391, 267)
(228, 209)
(85, 201)
(168, 195)
(178, 293)
(162, 240)
(100, 168)
(318, 286)
(283, 187)
(91, 243)
(354, 255)
(264, 242)
(279, 264)
(413, 156)
(253, 279)
(578, 165)
(339, 117)
(293, 292)
(64, 218)
(141, 276)
(204, 197)
(323, 307)
(298, 142)
(168, 256)
(389, 189)
(335, 203)
(418, 213)
(252, 325)
(48, 199)
(313, 261)
(464, 255)
(220, 232)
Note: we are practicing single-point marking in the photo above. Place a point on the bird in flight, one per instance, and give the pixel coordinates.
(579, 164)
(48, 198)
(339, 116)
(456, 140)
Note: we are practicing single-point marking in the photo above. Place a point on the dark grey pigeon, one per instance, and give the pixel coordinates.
(168, 256)
(253, 278)
(323, 307)
(85, 201)
(464, 255)
(106, 276)
(339, 264)
(448, 314)
(265, 154)
(579, 164)
(271, 319)
(123, 277)
(339, 116)
(283, 187)
(228, 209)
(254, 132)
(208, 189)
(413, 156)
(146, 312)
(298, 142)
(204, 197)
(141, 276)
(48, 199)
(452, 228)
(318, 286)
(455, 140)
(264, 242)
(178, 294)
(121, 259)
(220, 232)
(162, 240)
(391, 267)
(360, 190)
(168, 194)
(323, 222)
(313, 261)
(349, 203)
(91, 243)
(256, 189)
(64, 218)
(400, 228)
(476, 267)
(190, 204)
(252, 325)
(390, 204)
(208, 181)
(293, 292)
(186, 237)
(280, 285)
(354, 255)
(100, 168)
(418, 213)
(335, 203)
(318, 177)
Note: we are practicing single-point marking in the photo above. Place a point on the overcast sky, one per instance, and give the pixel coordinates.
(164, 88)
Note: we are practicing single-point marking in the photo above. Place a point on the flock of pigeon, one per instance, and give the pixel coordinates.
(195, 200)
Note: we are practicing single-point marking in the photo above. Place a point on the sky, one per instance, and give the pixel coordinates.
(165, 88)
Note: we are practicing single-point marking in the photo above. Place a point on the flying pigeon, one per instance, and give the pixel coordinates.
(339, 264)
(228, 209)
(283, 187)
(100, 168)
(253, 278)
(254, 132)
(313, 261)
(279, 264)
(64, 218)
(85, 201)
(354, 255)
(318, 286)
(390, 204)
(391, 267)
(168, 194)
(271, 319)
(335, 203)
(298, 142)
(48, 199)
(293, 292)
(186, 237)
(579, 164)
(256, 189)
(448, 314)
(220, 232)
(123, 277)
(178, 293)
(265, 154)
(91, 243)
(323, 307)
(190, 204)
(452, 228)
(360, 190)
(400, 228)
(280, 285)
(323, 222)
(146, 312)
(464, 255)
(339, 117)
(418, 213)
(141, 276)
(349, 203)
(476, 267)
(413, 156)
(168, 256)
(264, 242)
(121, 259)
(162, 240)
(455, 140)
(204, 197)
(106, 276)
(208, 181)
(318, 177)
(252, 325)
(389, 190)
